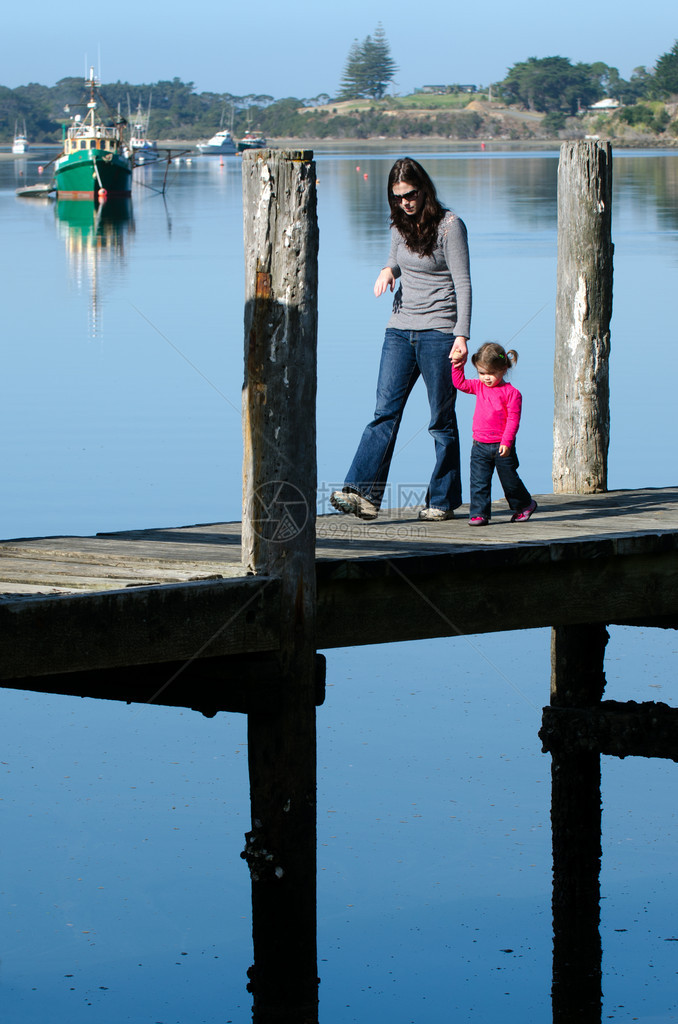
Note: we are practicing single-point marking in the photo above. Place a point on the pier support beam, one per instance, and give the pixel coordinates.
(278, 534)
(583, 310)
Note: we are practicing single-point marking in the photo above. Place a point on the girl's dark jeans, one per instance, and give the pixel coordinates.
(485, 458)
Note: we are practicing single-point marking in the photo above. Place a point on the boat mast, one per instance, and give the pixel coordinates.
(93, 84)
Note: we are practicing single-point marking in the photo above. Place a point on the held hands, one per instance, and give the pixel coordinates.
(385, 281)
(459, 351)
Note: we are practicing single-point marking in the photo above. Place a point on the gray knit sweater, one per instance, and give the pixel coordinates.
(435, 291)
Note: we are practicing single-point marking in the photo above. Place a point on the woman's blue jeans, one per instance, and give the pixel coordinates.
(405, 356)
(485, 458)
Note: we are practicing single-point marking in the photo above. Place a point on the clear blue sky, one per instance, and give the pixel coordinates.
(299, 48)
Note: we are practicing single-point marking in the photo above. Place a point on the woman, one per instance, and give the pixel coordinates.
(431, 319)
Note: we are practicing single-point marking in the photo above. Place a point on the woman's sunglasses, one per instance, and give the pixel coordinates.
(406, 197)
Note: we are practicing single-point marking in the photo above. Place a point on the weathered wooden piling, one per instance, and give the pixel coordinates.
(580, 447)
(583, 311)
(278, 540)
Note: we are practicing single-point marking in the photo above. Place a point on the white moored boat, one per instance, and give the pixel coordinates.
(221, 143)
(142, 149)
(20, 144)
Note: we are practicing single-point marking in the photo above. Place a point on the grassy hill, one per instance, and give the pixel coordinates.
(464, 116)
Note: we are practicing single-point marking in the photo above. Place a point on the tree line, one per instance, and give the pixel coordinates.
(551, 85)
(547, 85)
(176, 109)
(554, 84)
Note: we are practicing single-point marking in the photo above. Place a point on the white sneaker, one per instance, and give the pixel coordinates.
(435, 515)
(354, 504)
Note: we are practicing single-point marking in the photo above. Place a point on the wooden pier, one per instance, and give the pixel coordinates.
(231, 617)
(147, 600)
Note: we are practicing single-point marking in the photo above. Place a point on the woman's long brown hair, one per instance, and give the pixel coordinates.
(420, 233)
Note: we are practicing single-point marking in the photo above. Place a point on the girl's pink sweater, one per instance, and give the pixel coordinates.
(497, 413)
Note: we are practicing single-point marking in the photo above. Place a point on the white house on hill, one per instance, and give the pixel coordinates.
(606, 104)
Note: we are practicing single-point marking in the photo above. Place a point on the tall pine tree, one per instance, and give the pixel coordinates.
(380, 68)
(369, 67)
(353, 79)
(666, 73)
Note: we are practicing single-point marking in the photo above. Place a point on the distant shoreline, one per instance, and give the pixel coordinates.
(437, 143)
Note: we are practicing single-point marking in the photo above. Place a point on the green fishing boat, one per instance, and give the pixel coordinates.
(93, 165)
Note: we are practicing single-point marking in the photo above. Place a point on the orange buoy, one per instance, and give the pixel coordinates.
(40, 169)
(365, 177)
(102, 194)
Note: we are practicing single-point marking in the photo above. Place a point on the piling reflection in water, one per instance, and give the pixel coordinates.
(95, 246)
(577, 728)
(575, 723)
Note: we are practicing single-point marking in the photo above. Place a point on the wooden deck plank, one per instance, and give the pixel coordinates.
(80, 571)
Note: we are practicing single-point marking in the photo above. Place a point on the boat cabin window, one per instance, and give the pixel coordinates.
(83, 144)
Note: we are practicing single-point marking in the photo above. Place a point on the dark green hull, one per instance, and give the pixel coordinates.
(93, 174)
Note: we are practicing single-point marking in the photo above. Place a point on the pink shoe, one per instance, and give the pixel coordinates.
(478, 521)
(522, 517)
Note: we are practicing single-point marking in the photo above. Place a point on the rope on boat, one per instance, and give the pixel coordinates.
(96, 171)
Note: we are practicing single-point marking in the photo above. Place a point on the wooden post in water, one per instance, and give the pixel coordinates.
(581, 428)
(581, 434)
(278, 535)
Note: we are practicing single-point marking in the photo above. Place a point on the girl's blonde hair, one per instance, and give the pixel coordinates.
(493, 356)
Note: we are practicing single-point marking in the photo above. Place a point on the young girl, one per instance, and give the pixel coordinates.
(495, 424)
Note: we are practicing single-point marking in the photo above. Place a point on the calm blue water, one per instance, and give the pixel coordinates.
(123, 895)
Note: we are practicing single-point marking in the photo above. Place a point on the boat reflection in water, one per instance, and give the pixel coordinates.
(95, 244)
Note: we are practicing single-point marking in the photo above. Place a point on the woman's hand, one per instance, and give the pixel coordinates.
(459, 351)
(385, 281)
